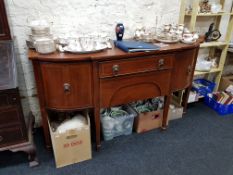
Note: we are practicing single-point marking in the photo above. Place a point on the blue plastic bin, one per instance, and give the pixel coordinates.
(206, 88)
(221, 109)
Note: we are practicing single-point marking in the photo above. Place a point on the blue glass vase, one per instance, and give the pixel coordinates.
(119, 31)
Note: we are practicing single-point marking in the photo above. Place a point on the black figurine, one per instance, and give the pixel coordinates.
(212, 34)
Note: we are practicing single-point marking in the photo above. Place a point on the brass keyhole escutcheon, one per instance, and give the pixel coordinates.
(66, 87)
(161, 63)
(189, 70)
(1, 138)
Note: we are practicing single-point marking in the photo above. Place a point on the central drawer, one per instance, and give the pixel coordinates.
(135, 65)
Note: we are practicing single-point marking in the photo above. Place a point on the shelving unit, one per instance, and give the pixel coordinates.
(212, 46)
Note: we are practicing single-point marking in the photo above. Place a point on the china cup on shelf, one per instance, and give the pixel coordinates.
(216, 8)
(189, 38)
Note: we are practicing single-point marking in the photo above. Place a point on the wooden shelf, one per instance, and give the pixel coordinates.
(210, 14)
(215, 70)
(213, 44)
(191, 19)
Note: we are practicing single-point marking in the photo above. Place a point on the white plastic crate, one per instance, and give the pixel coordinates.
(116, 126)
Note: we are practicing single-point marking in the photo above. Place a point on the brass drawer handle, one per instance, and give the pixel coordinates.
(161, 63)
(66, 87)
(115, 69)
(1, 138)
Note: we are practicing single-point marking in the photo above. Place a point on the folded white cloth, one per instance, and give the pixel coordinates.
(77, 122)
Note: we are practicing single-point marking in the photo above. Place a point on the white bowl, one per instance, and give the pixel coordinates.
(45, 46)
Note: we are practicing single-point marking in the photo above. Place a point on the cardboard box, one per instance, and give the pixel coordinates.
(175, 113)
(72, 146)
(193, 97)
(148, 121)
(225, 82)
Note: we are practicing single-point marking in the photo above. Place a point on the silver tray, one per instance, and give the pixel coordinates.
(99, 49)
(167, 41)
(84, 52)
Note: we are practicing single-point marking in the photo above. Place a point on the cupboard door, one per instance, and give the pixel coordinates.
(67, 86)
(183, 69)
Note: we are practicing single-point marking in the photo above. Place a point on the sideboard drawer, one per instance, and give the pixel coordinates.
(12, 135)
(10, 116)
(8, 97)
(135, 65)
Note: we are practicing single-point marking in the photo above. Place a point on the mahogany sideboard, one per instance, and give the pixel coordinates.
(68, 82)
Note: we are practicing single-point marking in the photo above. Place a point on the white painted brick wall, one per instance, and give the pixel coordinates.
(84, 17)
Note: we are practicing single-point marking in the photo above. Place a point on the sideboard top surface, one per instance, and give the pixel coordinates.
(113, 53)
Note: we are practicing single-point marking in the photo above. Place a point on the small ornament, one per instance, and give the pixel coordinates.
(119, 31)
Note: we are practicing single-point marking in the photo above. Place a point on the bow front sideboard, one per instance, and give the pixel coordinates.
(68, 82)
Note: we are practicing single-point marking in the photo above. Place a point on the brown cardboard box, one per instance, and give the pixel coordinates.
(148, 121)
(225, 82)
(72, 146)
(175, 113)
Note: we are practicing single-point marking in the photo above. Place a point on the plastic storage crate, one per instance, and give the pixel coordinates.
(205, 86)
(116, 126)
(221, 109)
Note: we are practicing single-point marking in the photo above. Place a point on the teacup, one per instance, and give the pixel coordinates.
(188, 37)
(166, 27)
(181, 27)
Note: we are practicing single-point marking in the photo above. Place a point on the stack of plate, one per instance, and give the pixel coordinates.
(40, 29)
(40, 37)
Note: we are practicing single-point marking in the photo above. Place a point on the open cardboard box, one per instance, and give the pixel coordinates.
(151, 120)
(147, 121)
(225, 82)
(72, 146)
(175, 113)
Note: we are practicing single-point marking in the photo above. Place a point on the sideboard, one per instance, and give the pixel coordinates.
(68, 82)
